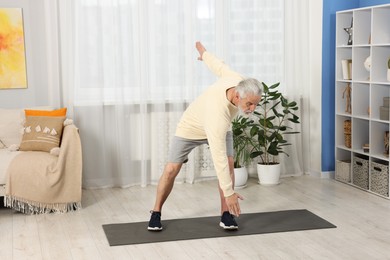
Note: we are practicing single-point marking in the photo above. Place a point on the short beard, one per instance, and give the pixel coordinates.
(243, 113)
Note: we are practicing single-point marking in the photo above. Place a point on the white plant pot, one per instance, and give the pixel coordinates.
(268, 174)
(240, 178)
(388, 74)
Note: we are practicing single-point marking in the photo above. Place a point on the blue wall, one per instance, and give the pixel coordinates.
(330, 7)
(365, 3)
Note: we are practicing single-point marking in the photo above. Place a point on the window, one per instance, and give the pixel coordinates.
(143, 50)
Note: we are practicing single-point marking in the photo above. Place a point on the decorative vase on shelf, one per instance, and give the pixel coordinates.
(367, 65)
(349, 30)
(348, 133)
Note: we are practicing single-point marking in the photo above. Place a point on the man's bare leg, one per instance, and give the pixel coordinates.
(165, 184)
(224, 206)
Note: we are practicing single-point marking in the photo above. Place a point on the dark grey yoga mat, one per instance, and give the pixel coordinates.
(208, 227)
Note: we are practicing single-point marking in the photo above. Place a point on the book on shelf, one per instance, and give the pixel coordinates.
(346, 66)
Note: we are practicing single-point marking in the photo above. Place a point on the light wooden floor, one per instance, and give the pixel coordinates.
(362, 220)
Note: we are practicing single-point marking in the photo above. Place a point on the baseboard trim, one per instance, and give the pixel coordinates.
(323, 175)
(327, 175)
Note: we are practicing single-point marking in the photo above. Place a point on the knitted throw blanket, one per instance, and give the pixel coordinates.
(38, 182)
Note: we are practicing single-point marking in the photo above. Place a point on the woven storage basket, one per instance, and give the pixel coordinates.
(360, 172)
(347, 133)
(380, 178)
(343, 171)
(348, 140)
(347, 126)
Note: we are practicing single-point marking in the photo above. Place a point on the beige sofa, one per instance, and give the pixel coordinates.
(39, 181)
(10, 135)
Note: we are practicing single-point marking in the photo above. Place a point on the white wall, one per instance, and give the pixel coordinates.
(35, 44)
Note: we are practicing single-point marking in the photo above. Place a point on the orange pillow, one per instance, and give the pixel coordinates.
(58, 112)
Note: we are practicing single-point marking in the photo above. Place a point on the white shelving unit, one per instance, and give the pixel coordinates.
(370, 38)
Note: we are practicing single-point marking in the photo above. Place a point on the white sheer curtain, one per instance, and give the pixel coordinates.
(128, 69)
(297, 82)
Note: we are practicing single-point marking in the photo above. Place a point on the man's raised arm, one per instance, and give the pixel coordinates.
(219, 68)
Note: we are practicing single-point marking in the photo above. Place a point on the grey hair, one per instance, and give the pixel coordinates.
(249, 86)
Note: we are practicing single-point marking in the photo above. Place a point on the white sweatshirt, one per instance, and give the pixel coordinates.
(209, 117)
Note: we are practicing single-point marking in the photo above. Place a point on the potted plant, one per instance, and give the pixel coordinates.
(272, 118)
(241, 142)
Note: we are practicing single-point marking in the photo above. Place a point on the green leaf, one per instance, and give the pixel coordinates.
(265, 87)
(275, 96)
(293, 120)
(254, 130)
(279, 137)
(290, 133)
(256, 154)
(292, 104)
(237, 132)
(270, 118)
(275, 85)
(272, 149)
(261, 132)
(282, 128)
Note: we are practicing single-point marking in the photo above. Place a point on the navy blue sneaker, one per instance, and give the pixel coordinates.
(228, 222)
(155, 221)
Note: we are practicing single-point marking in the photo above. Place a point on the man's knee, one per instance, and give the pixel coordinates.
(172, 170)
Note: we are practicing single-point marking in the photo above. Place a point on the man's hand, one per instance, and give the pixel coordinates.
(199, 46)
(233, 205)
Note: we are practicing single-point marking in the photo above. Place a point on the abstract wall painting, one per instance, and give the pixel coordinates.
(13, 72)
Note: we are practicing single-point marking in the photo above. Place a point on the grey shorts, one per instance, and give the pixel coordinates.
(181, 147)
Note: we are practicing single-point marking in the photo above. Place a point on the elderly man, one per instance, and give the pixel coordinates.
(208, 121)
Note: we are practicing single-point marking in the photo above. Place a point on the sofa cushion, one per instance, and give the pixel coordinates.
(42, 133)
(10, 126)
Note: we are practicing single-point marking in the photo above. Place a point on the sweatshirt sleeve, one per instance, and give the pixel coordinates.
(216, 136)
(218, 67)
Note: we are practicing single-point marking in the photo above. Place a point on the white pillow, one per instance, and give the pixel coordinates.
(10, 125)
